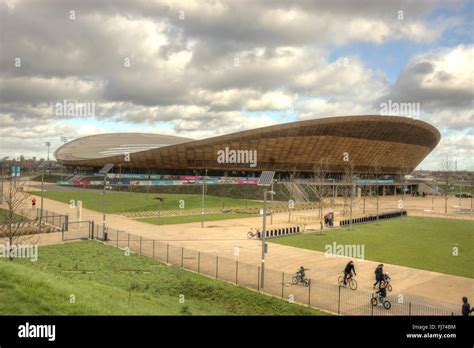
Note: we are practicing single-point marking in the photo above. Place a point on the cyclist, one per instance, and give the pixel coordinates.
(301, 274)
(386, 278)
(382, 292)
(348, 271)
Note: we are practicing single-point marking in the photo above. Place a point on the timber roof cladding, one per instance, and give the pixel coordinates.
(394, 144)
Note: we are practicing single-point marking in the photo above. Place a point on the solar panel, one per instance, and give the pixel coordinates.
(106, 168)
(43, 164)
(266, 178)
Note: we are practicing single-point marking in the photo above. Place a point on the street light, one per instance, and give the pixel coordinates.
(105, 170)
(265, 180)
(42, 166)
(3, 160)
(48, 144)
(202, 201)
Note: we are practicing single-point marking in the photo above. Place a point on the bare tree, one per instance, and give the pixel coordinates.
(14, 216)
(446, 175)
(377, 172)
(349, 177)
(320, 172)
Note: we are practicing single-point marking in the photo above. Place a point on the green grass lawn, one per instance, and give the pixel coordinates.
(120, 202)
(4, 217)
(105, 281)
(170, 220)
(424, 243)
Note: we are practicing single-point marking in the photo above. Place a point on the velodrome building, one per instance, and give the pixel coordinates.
(387, 145)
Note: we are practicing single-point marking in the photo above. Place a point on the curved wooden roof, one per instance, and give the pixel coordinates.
(392, 144)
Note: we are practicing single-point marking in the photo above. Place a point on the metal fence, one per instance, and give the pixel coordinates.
(330, 297)
(52, 218)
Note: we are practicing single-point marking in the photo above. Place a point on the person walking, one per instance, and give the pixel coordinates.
(466, 309)
(33, 203)
(378, 275)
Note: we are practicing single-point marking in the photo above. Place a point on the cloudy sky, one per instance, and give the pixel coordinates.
(203, 68)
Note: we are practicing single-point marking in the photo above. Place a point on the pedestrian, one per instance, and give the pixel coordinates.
(33, 203)
(466, 307)
(378, 275)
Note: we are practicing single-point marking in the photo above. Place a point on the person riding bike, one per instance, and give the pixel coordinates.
(382, 292)
(348, 271)
(301, 274)
(386, 278)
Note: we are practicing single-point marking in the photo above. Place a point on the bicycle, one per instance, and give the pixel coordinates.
(350, 280)
(297, 279)
(251, 235)
(377, 299)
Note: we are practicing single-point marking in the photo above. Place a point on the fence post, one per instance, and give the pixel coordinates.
(67, 224)
(199, 261)
(140, 245)
(128, 241)
(236, 272)
(282, 283)
(153, 249)
(217, 266)
(258, 279)
(309, 293)
(339, 302)
(117, 237)
(167, 252)
(409, 308)
(182, 257)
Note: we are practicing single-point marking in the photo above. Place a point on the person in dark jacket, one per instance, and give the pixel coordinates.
(466, 307)
(348, 271)
(378, 275)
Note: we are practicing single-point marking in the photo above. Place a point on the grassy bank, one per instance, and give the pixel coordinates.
(104, 281)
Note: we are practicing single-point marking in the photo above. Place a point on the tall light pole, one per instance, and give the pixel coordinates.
(105, 170)
(64, 140)
(265, 180)
(202, 201)
(42, 166)
(48, 144)
(3, 160)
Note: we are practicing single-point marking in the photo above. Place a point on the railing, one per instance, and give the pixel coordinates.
(329, 297)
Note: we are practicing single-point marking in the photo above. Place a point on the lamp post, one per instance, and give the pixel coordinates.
(265, 180)
(202, 201)
(42, 166)
(105, 170)
(48, 144)
(3, 160)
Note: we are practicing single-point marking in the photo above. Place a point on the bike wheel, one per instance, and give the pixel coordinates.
(373, 301)
(389, 287)
(294, 280)
(250, 235)
(353, 284)
(306, 282)
(387, 304)
(340, 280)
